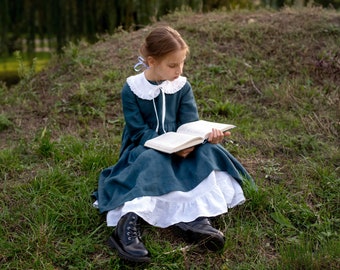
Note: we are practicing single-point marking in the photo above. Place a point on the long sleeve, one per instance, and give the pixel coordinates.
(136, 126)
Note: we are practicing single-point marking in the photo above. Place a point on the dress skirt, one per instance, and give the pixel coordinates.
(212, 197)
(166, 189)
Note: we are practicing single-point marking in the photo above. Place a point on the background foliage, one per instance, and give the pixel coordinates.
(28, 24)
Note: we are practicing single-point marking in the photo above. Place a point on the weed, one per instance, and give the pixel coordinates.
(5, 123)
(25, 72)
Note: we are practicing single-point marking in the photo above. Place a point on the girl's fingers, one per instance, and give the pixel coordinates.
(217, 136)
(227, 133)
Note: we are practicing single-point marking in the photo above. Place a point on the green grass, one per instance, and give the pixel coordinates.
(272, 74)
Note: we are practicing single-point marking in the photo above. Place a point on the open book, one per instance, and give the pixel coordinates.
(187, 135)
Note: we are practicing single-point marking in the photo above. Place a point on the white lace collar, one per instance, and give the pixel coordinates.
(142, 88)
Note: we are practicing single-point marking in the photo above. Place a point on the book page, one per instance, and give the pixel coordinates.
(172, 142)
(202, 128)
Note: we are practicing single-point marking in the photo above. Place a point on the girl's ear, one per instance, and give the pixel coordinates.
(151, 61)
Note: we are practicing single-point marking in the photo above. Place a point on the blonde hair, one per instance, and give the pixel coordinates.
(162, 41)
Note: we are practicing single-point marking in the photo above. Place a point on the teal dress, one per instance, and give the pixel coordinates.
(150, 110)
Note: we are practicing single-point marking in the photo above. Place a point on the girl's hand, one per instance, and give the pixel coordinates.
(217, 136)
(185, 152)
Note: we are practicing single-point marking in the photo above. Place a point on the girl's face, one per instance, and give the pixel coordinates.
(169, 67)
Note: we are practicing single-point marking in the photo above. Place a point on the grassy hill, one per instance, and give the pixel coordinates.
(275, 75)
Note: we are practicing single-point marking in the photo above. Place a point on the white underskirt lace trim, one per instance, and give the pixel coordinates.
(143, 89)
(212, 197)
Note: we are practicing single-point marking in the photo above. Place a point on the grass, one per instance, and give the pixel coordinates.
(272, 74)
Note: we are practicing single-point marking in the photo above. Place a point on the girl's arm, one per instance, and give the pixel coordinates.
(136, 126)
(187, 113)
(187, 110)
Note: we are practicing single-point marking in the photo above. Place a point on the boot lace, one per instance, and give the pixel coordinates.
(133, 230)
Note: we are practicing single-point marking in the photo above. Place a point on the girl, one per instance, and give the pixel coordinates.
(183, 189)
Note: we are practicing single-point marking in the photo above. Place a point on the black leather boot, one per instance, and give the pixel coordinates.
(126, 239)
(201, 232)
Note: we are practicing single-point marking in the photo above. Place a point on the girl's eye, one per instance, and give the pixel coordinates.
(172, 66)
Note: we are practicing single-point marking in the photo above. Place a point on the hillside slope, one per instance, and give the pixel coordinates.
(249, 50)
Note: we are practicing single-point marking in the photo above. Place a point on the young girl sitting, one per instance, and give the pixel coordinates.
(183, 189)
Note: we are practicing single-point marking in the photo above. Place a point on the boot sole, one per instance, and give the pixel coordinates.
(113, 243)
(213, 242)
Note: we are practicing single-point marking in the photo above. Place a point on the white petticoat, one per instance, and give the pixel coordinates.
(212, 197)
